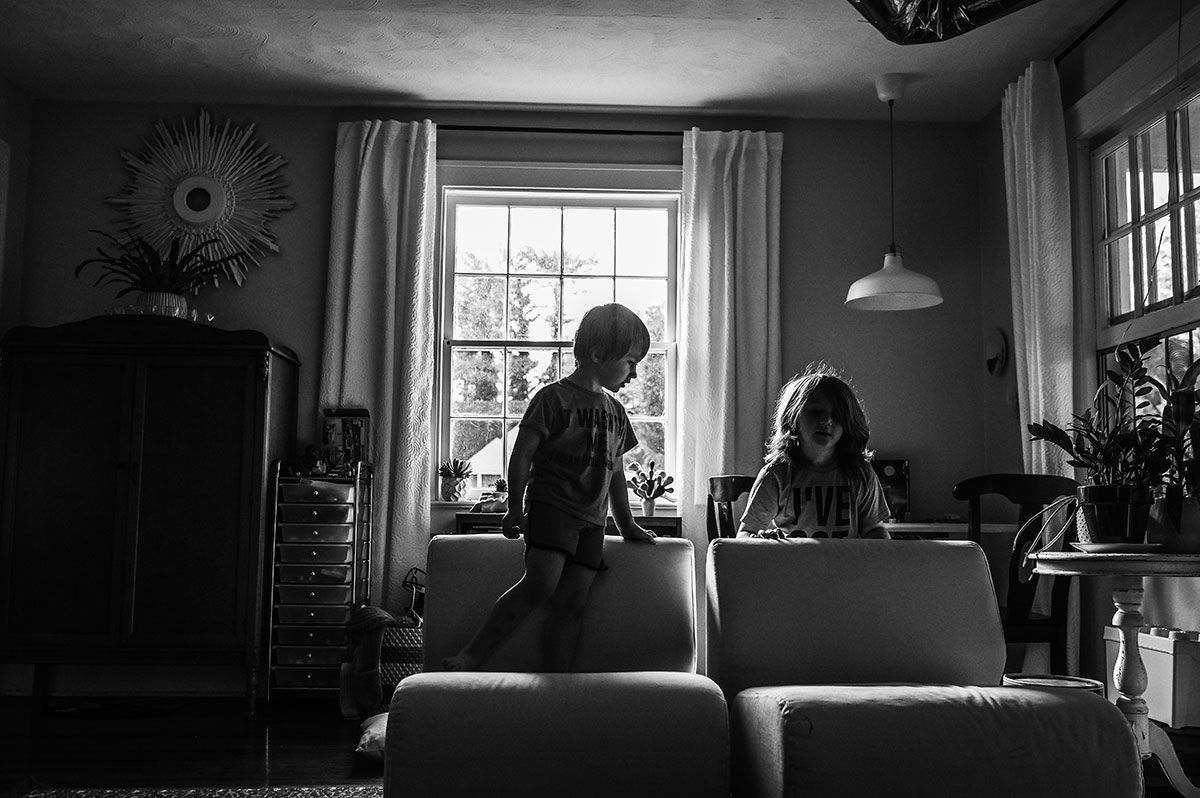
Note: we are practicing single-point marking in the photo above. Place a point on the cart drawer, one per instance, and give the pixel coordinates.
(316, 513)
(311, 635)
(331, 554)
(314, 594)
(318, 492)
(309, 655)
(316, 533)
(306, 677)
(312, 613)
(314, 574)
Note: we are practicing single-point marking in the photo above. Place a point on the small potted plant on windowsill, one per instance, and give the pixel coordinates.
(162, 277)
(648, 484)
(453, 473)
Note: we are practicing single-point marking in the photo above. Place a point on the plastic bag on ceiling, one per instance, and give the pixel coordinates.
(923, 21)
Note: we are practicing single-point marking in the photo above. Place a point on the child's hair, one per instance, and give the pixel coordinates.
(608, 332)
(843, 404)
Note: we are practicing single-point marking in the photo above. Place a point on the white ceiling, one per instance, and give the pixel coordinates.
(802, 58)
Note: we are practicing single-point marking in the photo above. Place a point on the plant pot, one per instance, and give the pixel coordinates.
(1112, 513)
(162, 303)
(1174, 520)
(647, 507)
(452, 488)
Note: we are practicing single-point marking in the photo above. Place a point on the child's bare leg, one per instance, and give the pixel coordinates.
(561, 632)
(543, 568)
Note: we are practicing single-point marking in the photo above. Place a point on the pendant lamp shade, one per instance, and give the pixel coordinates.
(893, 287)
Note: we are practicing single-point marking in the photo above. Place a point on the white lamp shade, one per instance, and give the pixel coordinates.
(894, 288)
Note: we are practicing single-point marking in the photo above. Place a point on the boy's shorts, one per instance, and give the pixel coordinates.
(547, 527)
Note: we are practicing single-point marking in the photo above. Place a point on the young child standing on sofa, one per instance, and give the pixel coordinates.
(565, 475)
(817, 481)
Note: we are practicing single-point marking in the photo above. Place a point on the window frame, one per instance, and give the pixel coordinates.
(580, 186)
(1170, 315)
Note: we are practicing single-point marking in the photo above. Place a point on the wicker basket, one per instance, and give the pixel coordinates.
(400, 655)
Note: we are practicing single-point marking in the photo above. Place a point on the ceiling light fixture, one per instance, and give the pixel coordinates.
(893, 287)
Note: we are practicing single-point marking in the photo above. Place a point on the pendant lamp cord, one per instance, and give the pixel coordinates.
(892, 167)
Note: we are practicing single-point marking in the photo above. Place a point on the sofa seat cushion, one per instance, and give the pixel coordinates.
(930, 740)
(520, 734)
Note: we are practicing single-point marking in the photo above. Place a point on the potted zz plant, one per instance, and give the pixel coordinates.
(648, 484)
(162, 278)
(1119, 442)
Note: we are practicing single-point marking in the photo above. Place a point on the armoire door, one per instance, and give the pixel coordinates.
(66, 481)
(193, 532)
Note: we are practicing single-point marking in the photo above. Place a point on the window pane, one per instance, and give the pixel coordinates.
(479, 308)
(528, 371)
(588, 240)
(648, 299)
(642, 241)
(647, 395)
(1156, 180)
(1157, 261)
(476, 380)
(1116, 189)
(1192, 167)
(651, 445)
(533, 308)
(1179, 353)
(481, 238)
(536, 239)
(479, 442)
(1190, 243)
(580, 294)
(1119, 261)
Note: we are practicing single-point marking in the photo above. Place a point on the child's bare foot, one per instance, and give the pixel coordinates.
(459, 662)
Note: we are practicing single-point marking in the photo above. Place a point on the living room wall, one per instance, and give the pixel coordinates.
(919, 373)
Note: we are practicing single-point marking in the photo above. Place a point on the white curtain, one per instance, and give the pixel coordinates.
(379, 327)
(729, 362)
(1039, 233)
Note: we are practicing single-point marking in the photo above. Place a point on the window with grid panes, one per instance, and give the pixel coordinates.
(1148, 233)
(522, 267)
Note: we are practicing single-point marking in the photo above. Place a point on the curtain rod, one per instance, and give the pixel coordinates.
(1091, 29)
(573, 130)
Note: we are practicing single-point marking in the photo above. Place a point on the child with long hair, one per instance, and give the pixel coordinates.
(817, 481)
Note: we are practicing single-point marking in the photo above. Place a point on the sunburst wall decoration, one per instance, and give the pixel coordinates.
(199, 183)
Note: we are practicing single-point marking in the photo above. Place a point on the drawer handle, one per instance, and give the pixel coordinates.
(312, 594)
(308, 676)
(316, 533)
(316, 493)
(312, 615)
(310, 635)
(314, 553)
(312, 573)
(308, 655)
(315, 513)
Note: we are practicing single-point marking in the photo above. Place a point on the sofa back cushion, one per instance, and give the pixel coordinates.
(640, 614)
(810, 611)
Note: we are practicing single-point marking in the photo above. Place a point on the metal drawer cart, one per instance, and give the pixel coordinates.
(322, 572)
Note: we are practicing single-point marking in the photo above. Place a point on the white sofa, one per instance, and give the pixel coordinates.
(636, 720)
(872, 668)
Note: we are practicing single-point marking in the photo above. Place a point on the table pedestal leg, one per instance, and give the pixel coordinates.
(1129, 677)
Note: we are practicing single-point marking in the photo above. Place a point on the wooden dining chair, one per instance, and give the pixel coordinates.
(1031, 493)
(723, 491)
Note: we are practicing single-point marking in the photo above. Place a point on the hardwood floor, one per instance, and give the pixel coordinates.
(165, 742)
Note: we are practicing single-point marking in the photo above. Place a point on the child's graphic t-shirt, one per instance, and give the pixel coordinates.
(805, 502)
(584, 435)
